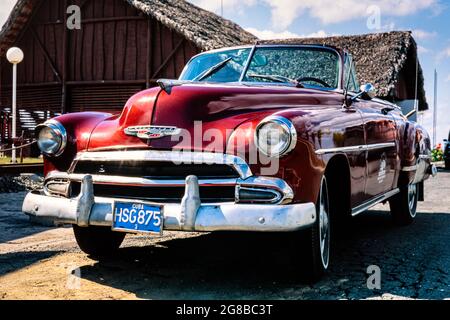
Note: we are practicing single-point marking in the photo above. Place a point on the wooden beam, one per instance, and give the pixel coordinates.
(149, 52)
(97, 20)
(83, 3)
(169, 57)
(29, 23)
(64, 108)
(106, 82)
(46, 55)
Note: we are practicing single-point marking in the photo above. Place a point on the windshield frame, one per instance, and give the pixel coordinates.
(254, 48)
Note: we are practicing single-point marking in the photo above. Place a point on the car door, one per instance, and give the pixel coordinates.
(382, 155)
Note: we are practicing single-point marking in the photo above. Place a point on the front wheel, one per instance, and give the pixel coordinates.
(404, 205)
(98, 242)
(314, 258)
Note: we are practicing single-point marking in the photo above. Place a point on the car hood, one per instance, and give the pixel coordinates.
(202, 111)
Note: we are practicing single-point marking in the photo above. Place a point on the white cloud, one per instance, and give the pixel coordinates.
(284, 12)
(216, 5)
(422, 49)
(271, 35)
(448, 78)
(5, 9)
(424, 35)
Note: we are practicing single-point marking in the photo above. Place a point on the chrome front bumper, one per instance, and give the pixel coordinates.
(190, 215)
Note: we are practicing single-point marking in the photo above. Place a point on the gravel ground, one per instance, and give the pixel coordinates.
(13, 184)
(38, 262)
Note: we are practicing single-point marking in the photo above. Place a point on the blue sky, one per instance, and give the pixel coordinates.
(428, 19)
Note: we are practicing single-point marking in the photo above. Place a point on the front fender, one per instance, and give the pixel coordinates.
(302, 169)
(79, 127)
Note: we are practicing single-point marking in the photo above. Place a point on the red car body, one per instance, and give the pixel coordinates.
(367, 148)
(319, 117)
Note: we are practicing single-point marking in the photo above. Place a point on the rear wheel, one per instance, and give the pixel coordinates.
(98, 242)
(314, 258)
(447, 164)
(404, 205)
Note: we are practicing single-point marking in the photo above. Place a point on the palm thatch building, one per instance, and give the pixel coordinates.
(387, 60)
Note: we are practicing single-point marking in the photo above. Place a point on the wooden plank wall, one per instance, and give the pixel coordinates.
(118, 52)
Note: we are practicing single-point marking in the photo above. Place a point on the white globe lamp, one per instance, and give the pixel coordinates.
(15, 56)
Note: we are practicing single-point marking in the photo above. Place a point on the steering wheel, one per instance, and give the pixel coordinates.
(319, 81)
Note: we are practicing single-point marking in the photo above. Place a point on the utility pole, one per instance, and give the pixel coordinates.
(435, 108)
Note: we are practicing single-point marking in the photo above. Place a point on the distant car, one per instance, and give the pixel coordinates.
(447, 152)
(339, 151)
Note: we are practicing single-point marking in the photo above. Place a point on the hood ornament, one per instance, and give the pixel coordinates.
(152, 132)
(168, 84)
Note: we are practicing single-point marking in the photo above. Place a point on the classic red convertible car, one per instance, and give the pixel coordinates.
(265, 138)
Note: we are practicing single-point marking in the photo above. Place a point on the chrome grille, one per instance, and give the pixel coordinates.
(156, 170)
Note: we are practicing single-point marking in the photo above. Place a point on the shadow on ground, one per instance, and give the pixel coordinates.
(256, 266)
(10, 262)
(13, 223)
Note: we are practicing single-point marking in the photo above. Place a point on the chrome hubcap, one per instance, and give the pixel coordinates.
(412, 194)
(324, 228)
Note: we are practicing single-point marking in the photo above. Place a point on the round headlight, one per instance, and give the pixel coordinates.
(275, 136)
(51, 138)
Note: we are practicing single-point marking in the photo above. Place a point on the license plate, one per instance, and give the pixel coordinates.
(138, 217)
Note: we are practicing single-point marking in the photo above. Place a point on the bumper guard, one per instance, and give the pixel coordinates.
(191, 215)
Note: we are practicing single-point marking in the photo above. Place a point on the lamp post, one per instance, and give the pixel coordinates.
(15, 56)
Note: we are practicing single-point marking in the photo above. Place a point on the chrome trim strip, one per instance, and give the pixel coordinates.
(269, 183)
(343, 149)
(377, 146)
(177, 157)
(425, 157)
(373, 202)
(247, 63)
(135, 181)
(409, 169)
(359, 148)
(277, 196)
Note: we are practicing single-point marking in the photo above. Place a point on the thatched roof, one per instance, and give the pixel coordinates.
(205, 29)
(380, 59)
(17, 19)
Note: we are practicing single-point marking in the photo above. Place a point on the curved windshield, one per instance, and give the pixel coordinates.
(308, 66)
(301, 66)
(231, 66)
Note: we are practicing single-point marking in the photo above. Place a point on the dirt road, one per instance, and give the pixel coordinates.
(45, 263)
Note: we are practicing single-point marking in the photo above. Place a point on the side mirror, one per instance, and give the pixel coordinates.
(368, 91)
